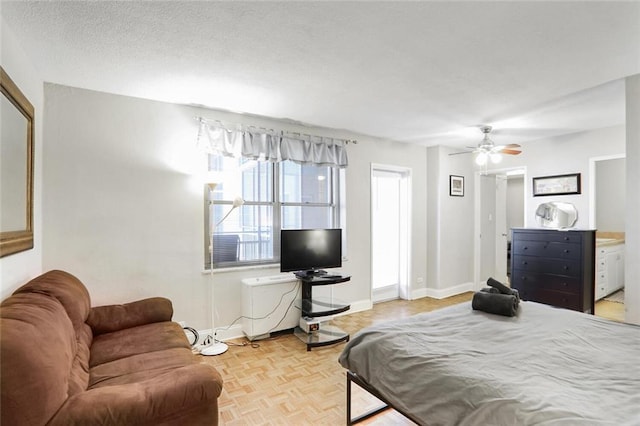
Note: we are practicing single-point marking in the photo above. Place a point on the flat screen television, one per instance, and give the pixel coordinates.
(307, 251)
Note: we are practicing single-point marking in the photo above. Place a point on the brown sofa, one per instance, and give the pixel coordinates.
(66, 363)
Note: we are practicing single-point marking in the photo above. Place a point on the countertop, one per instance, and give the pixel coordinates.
(604, 239)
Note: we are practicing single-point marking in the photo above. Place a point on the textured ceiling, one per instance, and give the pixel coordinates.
(423, 72)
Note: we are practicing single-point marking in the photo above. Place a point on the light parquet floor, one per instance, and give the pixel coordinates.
(277, 382)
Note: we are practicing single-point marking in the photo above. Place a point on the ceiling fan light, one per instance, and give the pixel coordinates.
(481, 159)
(495, 158)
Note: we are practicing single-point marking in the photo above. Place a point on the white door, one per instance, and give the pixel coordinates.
(501, 229)
(389, 232)
(487, 227)
(493, 215)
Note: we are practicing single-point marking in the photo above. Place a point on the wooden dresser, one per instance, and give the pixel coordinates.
(554, 267)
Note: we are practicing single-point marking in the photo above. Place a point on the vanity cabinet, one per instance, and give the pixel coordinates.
(609, 269)
(554, 267)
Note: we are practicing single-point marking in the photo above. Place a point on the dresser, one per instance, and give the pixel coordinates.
(554, 267)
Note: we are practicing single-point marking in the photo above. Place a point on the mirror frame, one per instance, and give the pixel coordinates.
(16, 241)
(556, 205)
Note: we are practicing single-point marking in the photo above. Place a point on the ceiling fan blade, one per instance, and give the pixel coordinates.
(510, 151)
(461, 152)
(512, 145)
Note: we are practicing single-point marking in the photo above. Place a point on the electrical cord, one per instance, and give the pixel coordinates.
(296, 288)
(194, 333)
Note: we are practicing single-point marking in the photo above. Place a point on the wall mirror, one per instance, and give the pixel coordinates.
(16, 169)
(556, 215)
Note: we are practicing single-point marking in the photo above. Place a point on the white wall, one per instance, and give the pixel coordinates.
(18, 268)
(125, 211)
(515, 203)
(450, 224)
(610, 195)
(632, 224)
(562, 155)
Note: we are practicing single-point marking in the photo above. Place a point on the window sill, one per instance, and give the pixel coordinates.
(241, 268)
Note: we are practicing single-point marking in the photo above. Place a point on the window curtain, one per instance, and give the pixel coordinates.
(258, 144)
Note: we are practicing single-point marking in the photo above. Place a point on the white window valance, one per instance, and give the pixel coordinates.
(271, 145)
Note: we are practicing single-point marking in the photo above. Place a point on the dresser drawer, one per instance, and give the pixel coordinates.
(558, 283)
(549, 297)
(567, 267)
(559, 237)
(547, 249)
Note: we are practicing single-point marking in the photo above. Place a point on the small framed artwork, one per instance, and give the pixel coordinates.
(556, 185)
(456, 186)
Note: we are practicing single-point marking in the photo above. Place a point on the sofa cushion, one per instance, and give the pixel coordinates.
(106, 319)
(67, 289)
(137, 340)
(182, 396)
(79, 377)
(139, 367)
(37, 349)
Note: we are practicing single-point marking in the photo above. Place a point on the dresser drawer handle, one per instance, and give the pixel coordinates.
(565, 267)
(564, 284)
(566, 250)
(566, 238)
(525, 262)
(524, 248)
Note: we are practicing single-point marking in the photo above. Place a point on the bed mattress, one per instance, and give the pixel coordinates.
(545, 366)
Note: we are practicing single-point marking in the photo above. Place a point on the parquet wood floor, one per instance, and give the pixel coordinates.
(277, 382)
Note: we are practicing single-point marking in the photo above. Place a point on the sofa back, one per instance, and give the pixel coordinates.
(44, 347)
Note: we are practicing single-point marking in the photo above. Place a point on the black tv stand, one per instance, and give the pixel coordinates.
(313, 308)
(310, 273)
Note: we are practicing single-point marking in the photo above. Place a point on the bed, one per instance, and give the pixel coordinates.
(457, 366)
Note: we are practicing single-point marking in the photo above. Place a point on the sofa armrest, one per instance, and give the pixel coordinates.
(184, 396)
(109, 318)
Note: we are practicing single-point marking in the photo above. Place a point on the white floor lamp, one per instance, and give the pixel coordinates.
(216, 348)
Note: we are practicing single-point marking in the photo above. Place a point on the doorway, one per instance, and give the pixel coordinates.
(499, 207)
(390, 230)
(607, 199)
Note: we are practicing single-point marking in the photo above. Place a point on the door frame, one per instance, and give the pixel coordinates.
(478, 220)
(404, 284)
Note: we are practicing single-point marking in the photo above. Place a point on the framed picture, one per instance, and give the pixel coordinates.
(556, 185)
(456, 186)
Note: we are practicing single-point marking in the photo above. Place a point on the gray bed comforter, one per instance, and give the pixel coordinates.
(545, 366)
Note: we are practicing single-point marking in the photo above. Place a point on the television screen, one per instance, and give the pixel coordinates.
(310, 250)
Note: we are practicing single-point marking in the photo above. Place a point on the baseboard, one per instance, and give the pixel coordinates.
(359, 306)
(443, 293)
(418, 293)
(224, 333)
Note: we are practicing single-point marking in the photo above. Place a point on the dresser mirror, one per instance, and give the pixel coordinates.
(556, 215)
(16, 169)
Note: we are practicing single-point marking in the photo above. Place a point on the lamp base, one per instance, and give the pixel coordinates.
(215, 349)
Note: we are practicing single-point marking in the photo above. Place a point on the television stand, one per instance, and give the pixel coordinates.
(318, 307)
(310, 274)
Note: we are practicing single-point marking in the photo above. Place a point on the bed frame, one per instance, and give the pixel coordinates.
(352, 377)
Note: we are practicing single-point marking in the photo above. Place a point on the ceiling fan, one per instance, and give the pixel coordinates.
(488, 150)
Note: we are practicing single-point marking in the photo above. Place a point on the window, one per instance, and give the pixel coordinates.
(283, 195)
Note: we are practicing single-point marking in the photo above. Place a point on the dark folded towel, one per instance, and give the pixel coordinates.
(490, 290)
(493, 283)
(495, 303)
